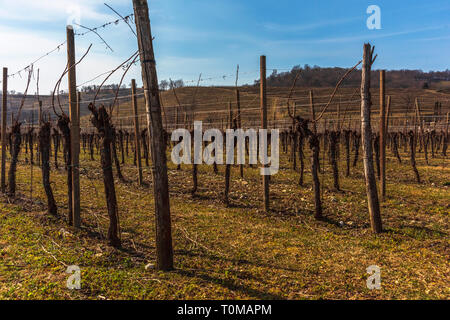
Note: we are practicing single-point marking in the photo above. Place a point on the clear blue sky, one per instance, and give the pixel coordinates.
(213, 36)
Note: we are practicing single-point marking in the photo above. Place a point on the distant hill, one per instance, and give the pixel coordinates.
(211, 103)
(328, 77)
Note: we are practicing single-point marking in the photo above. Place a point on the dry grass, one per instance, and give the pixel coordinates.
(237, 252)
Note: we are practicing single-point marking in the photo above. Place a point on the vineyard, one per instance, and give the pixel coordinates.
(87, 179)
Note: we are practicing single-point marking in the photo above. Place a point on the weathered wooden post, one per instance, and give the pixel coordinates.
(228, 166)
(176, 117)
(338, 113)
(239, 124)
(263, 104)
(164, 249)
(388, 113)
(4, 115)
(40, 112)
(366, 132)
(30, 142)
(419, 121)
(74, 127)
(382, 134)
(313, 112)
(445, 142)
(39, 126)
(136, 130)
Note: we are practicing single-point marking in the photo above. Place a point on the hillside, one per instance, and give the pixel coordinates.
(210, 104)
(328, 77)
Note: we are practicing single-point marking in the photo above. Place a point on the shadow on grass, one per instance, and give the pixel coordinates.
(230, 284)
(417, 232)
(234, 261)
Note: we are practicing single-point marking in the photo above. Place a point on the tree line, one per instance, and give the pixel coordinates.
(327, 77)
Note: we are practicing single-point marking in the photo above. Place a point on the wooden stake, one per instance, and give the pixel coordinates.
(366, 132)
(4, 115)
(74, 127)
(382, 135)
(31, 154)
(39, 127)
(419, 121)
(164, 249)
(228, 166)
(388, 113)
(263, 102)
(446, 125)
(338, 123)
(136, 131)
(313, 112)
(176, 118)
(239, 125)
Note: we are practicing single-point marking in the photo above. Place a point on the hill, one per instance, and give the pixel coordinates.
(328, 77)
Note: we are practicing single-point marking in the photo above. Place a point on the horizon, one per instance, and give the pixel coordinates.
(125, 86)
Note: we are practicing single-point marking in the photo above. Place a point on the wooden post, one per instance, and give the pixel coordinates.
(39, 127)
(313, 112)
(31, 153)
(176, 117)
(136, 130)
(263, 103)
(164, 249)
(388, 113)
(74, 127)
(338, 122)
(419, 121)
(40, 112)
(239, 125)
(4, 115)
(382, 134)
(446, 126)
(228, 166)
(366, 133)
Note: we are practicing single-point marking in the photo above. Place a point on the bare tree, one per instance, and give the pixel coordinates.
(44, 148)
(102, 121)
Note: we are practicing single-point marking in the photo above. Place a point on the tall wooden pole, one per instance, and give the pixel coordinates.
(419, 121)
(136, 130)
(338, 123)
(39, 126)
(313, 112)
(382, 134)
(4, 115)
(388, 113)
(263, 101)
(40, 113)
(74, 127)
(164, 249)
(228, 166)
(366, 133)
(31, 154)
(239, 125)
(446, 126)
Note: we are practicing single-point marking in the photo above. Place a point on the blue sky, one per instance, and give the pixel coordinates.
(213, 36)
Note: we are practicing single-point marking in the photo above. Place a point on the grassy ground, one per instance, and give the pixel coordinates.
(237, 252)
